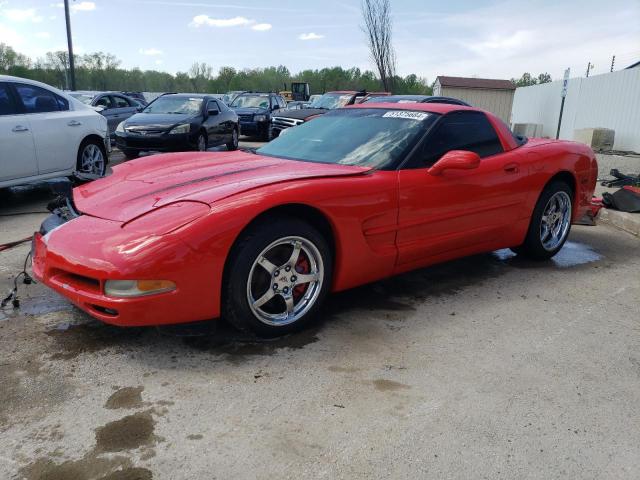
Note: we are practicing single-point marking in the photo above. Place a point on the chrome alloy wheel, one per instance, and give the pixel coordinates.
(285, 281)
(556, 220)
(92, 160)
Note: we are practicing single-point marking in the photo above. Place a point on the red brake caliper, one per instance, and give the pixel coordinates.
(302, 266)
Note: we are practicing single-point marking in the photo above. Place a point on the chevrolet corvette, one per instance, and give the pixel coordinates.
(261, 237)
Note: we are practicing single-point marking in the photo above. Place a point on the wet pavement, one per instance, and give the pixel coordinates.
(489, 366)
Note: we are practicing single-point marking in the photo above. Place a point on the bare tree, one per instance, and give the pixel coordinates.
(378, 29)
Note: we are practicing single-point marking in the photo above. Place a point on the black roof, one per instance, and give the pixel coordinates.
(416, 99)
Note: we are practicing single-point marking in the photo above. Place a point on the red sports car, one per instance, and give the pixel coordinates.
(354, 196)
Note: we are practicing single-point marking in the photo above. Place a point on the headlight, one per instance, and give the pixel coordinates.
(120, 127)
(137, 288)
(184, 128)
(260, 118)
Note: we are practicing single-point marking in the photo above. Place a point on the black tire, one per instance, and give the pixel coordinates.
(266, 135)
(233, 144)
(90, 143)
(130, 154)
(533, 246)
(235, 297)
(202, 137)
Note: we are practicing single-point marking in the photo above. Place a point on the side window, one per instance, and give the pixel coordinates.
(120, 102)
(282, 102)
(460, 131)
(37, 100)
(7, 105)
(213, 105)
(104, 102)
(63, 103)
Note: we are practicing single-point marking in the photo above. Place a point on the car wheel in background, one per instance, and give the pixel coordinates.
(233, 144)
(201, 143)
(550, 223)
(92, 158)
(130, 154)
(276, 278)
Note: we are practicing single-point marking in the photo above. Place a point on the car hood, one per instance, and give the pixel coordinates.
(142, 185)
(250, 111)
(157, 120)
(301, 114)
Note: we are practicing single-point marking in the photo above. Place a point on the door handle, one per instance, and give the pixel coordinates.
(512, 168)
(74, 123)
(19, 128)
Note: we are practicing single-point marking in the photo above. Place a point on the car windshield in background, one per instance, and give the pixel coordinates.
(331, 101)
(365, 137)
(177, 105)
(251, 101)
(85, 98)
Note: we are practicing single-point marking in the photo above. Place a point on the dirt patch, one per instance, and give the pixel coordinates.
(384, 385)
(130, 432)
(127, 397)
(196, 436)
(338, 369)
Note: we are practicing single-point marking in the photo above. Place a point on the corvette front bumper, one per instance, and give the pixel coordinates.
(77, 257)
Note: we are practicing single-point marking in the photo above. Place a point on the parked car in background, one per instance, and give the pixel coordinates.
(138, 96)
(415, 99)
(255, 110)
(45, 133)
(297, 105)
(314, 97)
(321, 105)
(231, 96)
(115, 106)
(355, 196)
(177, 122)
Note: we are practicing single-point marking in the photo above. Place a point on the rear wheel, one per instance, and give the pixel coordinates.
(277, 277)
(550, 223)
(92, 158)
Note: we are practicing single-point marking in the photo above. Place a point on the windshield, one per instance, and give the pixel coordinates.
(331, 101)
(365, 137)
(251, 101)
(85, 98)
(178, 105)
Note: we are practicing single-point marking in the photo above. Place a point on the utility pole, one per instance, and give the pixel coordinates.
(565, 85)
(613, 61)
(72, 68)
(589, 67)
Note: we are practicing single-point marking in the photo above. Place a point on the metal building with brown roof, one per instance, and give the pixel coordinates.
(490, 94)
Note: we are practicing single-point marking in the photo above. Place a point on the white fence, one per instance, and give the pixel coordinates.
(611, 100)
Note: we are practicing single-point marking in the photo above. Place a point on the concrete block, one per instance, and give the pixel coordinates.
(600, 139)
(629, 222)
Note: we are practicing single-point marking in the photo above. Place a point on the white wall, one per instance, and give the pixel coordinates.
(610, 100)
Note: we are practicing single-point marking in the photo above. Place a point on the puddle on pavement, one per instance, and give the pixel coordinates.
(126, 397)
(128, 433)
(384, 385)
(572, 254)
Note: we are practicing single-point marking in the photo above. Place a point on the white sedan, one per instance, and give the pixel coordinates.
(45, 133)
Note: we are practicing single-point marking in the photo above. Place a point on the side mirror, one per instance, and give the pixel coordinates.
(213, 112)
(139, 108)
(276, 107)
(455, 160)
(100, 108)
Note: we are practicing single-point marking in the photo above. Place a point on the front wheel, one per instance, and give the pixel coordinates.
(233, 144)
(277, 277)
(92, 158)
(550, 223)
(201, 142)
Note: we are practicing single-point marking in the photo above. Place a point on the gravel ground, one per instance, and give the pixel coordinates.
(485, 367)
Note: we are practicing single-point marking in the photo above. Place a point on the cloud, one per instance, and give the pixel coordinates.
(206, 20)
(310, 36)
(159, 62)
(77, 7)
(10, 36)
(150, 51)
(22, 15)
(262, 27)
(43, 35)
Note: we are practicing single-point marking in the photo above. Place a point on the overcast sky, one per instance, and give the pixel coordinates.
(484, 38)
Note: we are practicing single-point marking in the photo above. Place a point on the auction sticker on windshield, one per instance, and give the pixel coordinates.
(419, 116)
